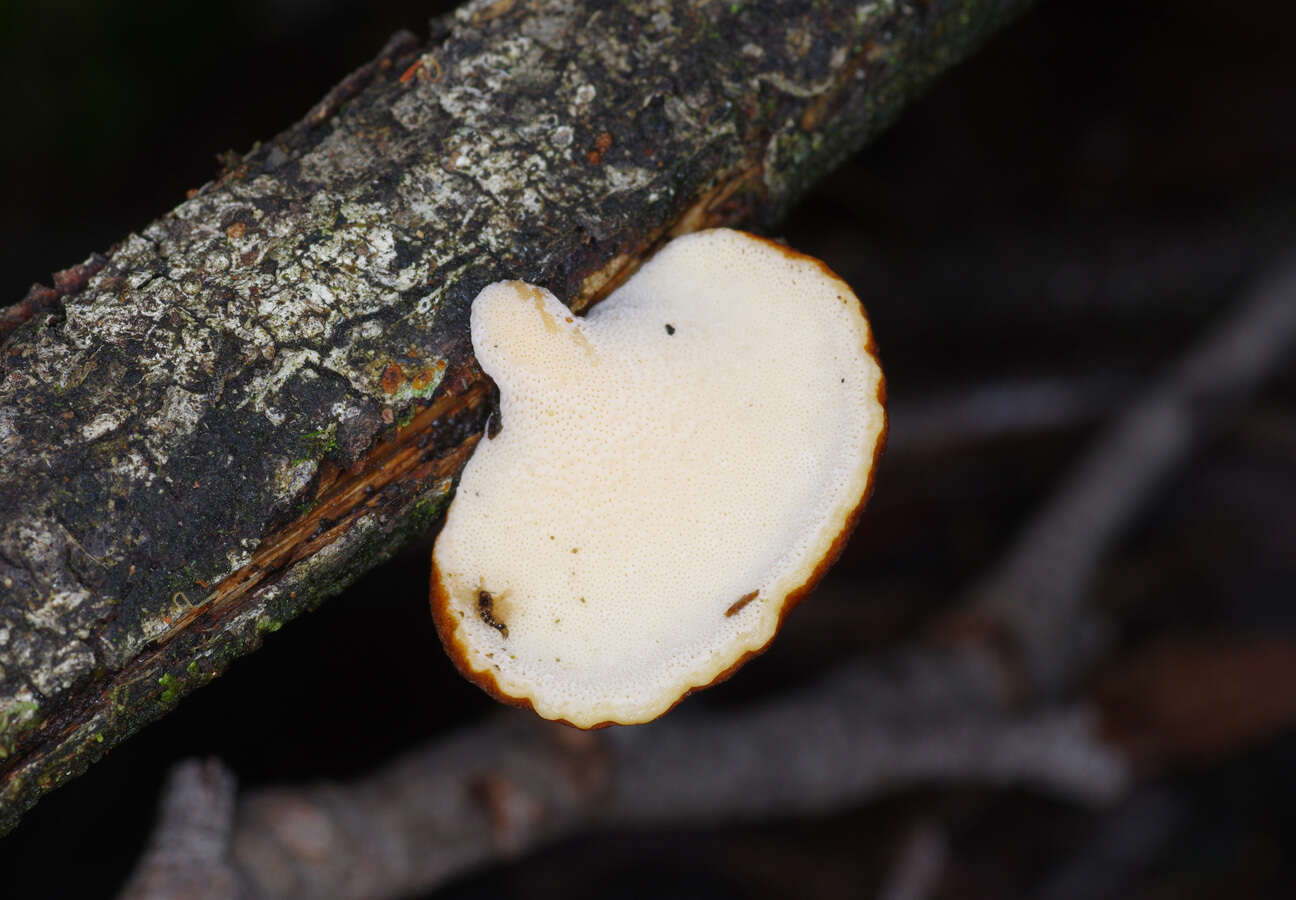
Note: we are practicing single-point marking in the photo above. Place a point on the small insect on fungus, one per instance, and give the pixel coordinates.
(708, 476)
(486, 610)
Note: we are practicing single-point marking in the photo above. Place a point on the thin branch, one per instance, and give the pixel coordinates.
(188, 855)
(503, 788)
(1001, 408)
(919, 867)
(1119, 848)
(1036, 593)
(41, 298)
(872, 728)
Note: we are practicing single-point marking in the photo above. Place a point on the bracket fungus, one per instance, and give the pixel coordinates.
(673, 472)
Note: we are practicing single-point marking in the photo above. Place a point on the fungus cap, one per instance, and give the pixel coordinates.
(673, 471)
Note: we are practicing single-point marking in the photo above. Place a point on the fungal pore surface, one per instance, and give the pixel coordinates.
(673, 471)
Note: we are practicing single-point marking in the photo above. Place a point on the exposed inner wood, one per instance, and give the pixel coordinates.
(410, 456)
(345, 495)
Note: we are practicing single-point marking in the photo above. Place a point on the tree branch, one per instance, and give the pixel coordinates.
(189, 853)
(1034, 596)
(502, 789)
(919, 866)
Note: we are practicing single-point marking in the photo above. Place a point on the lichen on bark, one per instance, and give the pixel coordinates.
(264, 392)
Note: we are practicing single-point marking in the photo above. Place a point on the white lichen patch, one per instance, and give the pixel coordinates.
(865, 13)
(71, 661)
(781, 155)
(582, 97)
(413, 111)
(627, 178)
(132, 467)
(541, 127)
(262, 389)
(52, 665)
(478, 80)
(804, 91)
(56, 608)
(426, 192)
(240, 557)
(502, 172)
(338, 279)
(360, 243)
(102, 424)
(343, 412)
(427, 304)
(340, 152)
(293, 475)
(562, 136)
(39, 542)
(312, 328)
(179, 414)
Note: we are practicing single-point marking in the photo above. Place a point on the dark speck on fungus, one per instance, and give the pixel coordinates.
(486, 609)
(741, 602)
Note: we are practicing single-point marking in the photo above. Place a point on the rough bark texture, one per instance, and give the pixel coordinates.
(267, 390)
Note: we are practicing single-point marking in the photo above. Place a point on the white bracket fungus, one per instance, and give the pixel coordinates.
(674, 471)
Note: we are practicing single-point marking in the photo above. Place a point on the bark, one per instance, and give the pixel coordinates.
(269, 389)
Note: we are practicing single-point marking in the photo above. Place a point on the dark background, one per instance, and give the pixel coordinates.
(1071, 208)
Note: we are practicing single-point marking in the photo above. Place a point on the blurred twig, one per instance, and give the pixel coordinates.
(188, 855)
(1126, 270)
(919, 866)
(500, 789)
(1183, 700)
(1001, 407)
(1119, 847)
(1036, 592)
